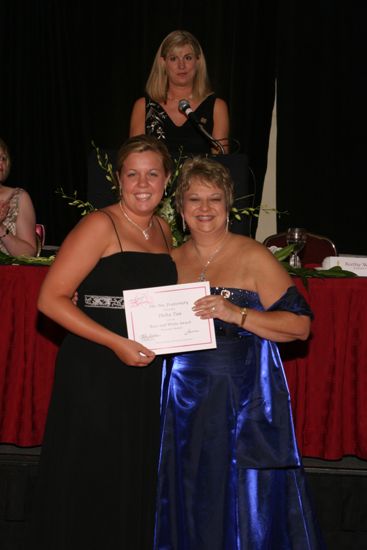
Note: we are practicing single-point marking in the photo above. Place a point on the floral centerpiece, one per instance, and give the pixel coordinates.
(166, 208)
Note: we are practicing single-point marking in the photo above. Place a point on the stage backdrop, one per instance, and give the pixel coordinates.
(70, 74)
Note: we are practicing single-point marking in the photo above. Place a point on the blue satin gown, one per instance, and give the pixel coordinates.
(230, 474)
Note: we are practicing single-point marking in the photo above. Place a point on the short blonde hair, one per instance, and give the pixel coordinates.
(210, 172)
(157, 83)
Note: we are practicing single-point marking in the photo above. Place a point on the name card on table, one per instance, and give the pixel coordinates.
(161, 318)
(355, 264)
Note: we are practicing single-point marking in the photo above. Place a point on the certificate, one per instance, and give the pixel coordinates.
(161, 318)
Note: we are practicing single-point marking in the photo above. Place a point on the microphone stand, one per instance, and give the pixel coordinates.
(217, 144)
(184, 107)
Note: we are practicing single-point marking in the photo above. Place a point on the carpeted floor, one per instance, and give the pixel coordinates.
(339, 490)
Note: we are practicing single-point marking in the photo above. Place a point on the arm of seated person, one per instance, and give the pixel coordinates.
(23, 243)
(137, 119)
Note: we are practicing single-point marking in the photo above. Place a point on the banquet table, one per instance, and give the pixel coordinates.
(29, 342)
(327, 375)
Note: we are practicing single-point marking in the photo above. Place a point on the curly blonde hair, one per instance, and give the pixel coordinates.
(208, 171)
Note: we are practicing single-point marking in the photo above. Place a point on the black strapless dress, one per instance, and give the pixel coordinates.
(97, 479)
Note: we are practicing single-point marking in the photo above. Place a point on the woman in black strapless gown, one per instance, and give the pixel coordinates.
(97, 478)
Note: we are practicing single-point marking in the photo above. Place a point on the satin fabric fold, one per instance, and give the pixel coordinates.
(230, 475)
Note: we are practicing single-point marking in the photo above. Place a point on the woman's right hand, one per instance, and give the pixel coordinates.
(75, 298)
(132, 353)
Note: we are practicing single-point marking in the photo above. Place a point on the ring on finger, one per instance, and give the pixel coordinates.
(213, 308)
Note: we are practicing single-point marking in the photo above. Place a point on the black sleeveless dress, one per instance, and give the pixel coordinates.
(181, 140)
(97, 478)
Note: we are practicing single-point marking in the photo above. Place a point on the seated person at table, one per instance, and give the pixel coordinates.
(230, 474)
(17, 216)
(179, 72)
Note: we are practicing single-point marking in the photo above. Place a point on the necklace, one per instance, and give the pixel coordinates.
(178, 99)
(202, 274)
(144, 231)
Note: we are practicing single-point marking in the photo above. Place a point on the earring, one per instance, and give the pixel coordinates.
(183, 224)
(227, 223)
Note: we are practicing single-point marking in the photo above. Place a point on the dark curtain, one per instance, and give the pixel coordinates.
(70, 74)
(321, 113)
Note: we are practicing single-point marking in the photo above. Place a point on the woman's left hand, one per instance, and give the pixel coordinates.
(217, 307)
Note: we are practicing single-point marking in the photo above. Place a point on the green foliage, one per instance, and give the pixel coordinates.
(306, 272)
(6, 259)
(106, 165)
(85, 206)
(251, 210)
(166, 208)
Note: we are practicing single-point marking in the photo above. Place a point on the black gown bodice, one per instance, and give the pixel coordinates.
(187, 136)
(101, 293)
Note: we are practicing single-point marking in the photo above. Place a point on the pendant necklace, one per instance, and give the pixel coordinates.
(202, 274)
(144, 231)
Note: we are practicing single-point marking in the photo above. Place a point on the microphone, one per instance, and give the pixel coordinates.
(185, 108)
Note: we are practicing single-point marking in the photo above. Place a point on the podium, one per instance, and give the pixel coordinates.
(100, 194)
(244, 190)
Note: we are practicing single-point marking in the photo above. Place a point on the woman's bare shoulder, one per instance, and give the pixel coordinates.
(244, 241)
(220, 103)
(251, 250)
(138, 107)
(98, 220)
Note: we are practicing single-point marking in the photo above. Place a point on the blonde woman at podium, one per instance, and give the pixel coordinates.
(180, 106)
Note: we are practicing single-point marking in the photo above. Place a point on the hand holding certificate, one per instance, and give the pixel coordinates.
(161, 318)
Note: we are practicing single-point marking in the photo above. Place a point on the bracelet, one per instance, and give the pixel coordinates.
(243, 316)
(7, 231)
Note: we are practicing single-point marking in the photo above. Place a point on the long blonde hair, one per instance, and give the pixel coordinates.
(157, 83)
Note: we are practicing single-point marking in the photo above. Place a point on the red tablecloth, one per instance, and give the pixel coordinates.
(28, 345)
(327, 375)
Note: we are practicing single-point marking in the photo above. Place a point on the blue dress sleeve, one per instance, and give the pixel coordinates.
(293, 301)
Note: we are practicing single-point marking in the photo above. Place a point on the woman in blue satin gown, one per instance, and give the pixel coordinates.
(230, 474)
